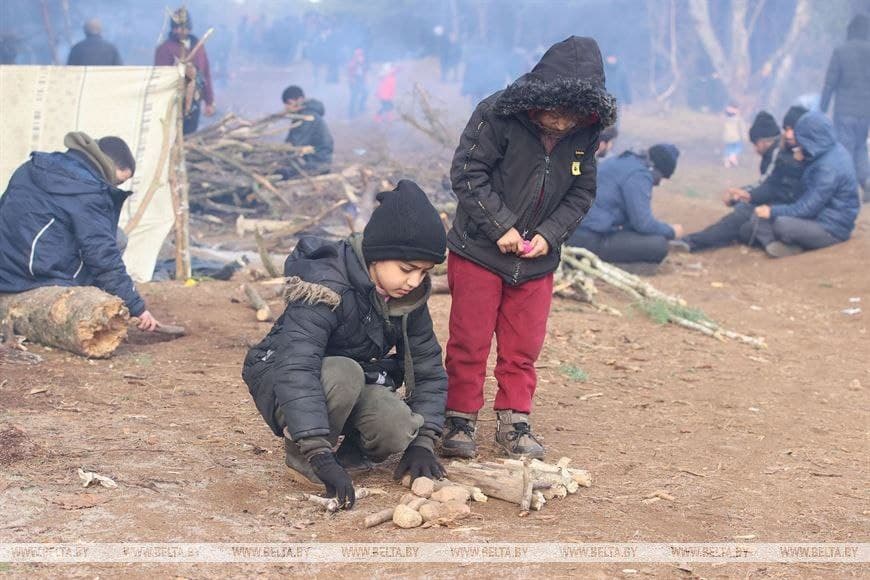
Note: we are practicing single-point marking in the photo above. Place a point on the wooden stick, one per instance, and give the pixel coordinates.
(268, 264)
(264, 313)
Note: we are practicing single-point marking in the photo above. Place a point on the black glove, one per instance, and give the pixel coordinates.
(419, 462)
(338, 482)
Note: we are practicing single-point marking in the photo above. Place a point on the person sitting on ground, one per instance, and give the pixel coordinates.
(780, 183)
(825, 213)
(325, 369)
(59, 221)
(620, 226)
(608, 138)
(312, 134)
(93, 50)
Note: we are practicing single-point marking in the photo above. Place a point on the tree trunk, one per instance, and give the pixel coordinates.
(83, 319)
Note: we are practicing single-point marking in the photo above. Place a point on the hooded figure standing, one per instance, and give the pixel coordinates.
(176, 49)
(848, 77)
(524, 175)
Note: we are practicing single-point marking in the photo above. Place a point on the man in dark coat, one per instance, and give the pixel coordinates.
(848, 78)
(780, 183)
(524, 175)
(59, 220)
(620, 226)
(93, 50)
(312, 134)
(825, 214)
(325, 369)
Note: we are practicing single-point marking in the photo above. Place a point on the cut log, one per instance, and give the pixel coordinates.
(501, 483)
(264, 313)
(268, 264)
(378, 518)
(82, 319)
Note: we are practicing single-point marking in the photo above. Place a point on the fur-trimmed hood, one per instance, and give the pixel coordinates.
(570, 76)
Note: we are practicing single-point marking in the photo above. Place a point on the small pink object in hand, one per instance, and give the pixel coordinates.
(527, 247)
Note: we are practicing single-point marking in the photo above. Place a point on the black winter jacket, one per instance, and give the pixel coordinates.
(314, 134)
(94, 51)
(503, 176)
(783, 183)
(849, 77)
(58, 227)
(334, 310)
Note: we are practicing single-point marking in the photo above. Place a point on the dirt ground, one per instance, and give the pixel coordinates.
(766, 445)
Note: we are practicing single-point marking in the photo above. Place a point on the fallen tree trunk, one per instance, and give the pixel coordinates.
(82, 319)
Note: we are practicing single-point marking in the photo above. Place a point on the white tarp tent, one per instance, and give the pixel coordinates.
(41, 104)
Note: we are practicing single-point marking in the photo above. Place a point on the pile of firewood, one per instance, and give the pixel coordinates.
(528, 484)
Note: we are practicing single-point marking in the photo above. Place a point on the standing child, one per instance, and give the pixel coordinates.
(386, 93)
(326, 368)
(732, 136)
(524, 174)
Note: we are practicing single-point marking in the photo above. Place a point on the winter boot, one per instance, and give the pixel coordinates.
(781, 250)
(300, 469)
(514, 434)
(458, 438)
(351, 456)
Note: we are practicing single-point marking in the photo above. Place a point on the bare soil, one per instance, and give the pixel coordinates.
(765, 444)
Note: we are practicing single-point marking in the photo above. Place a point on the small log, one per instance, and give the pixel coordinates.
(378, 518)
(264, 313)
(505, 484)
(170, 330)
(82, 319)
(330, 504)
(250, 225)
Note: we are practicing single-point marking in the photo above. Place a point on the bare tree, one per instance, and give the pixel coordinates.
(734, 66)
(663, 42)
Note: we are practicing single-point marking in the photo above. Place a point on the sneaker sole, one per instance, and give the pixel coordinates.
(512, 455)
(464, 453)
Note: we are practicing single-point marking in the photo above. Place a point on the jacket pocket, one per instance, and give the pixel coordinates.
(34, 247)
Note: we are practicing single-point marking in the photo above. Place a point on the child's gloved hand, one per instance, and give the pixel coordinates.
(338, 482)
(419, 462)
(537, 247)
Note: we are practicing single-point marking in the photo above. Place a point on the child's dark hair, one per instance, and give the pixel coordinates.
(292, 93)
(119, 152)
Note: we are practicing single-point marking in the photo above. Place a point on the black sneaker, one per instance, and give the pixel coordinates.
(458, 438)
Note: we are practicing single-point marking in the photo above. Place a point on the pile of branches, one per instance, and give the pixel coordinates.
(236, 163)
(581, 270)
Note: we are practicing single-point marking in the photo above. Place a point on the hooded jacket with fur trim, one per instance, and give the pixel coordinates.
(333, 309)
(503, 175)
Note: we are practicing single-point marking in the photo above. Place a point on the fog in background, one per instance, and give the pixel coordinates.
(479, 46)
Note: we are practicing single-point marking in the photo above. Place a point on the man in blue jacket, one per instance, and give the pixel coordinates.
(620, 227)
(59, 220)
(825, 214)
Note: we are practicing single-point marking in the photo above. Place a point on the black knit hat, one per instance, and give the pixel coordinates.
(405, 226)
(792, 116)
(664, 158)
(763, 126)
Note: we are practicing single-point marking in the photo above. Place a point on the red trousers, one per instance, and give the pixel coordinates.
(482, 305)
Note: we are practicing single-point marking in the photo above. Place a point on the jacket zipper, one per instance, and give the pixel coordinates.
(33, 245)
(537, 208)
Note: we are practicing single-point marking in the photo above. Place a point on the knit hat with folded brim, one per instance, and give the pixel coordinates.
(664, 158)
(405, 226)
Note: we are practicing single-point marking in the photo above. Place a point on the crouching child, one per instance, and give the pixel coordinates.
(356, 328)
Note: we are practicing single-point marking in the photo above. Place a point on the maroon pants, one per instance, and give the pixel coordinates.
(482, 305)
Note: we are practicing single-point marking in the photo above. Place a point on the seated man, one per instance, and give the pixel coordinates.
(312, 134)
(59, 221)
(780, 183)
(606, 141)
(825, 214)
(620, 226)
